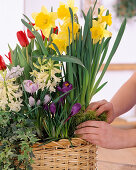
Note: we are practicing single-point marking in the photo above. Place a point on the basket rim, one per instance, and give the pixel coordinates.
(62, 143)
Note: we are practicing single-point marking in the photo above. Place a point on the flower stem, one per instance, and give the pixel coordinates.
(27, 55)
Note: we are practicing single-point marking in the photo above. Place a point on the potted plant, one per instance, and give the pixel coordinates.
(48, 85)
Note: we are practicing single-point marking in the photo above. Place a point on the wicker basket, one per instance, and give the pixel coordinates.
(62, 156)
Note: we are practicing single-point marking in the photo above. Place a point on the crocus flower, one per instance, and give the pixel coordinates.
(38, 102)
(22, 38)
(52, 108)
(47, 99)
(75, 109)
(31, 101)
(45, 107)
(65, 87)
(2, 63)
(30, 86)
(30, 34)
(9, 57)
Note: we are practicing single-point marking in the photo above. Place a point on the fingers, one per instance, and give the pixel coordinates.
(90, 138)
(96, 105)
(86, 130)
(106, 107)
(90, 123)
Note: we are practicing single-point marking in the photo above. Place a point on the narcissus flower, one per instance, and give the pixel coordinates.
(99, 32)
(44, 21)
(22, 38)
(2, 63)
(101, 18)
(63, 10)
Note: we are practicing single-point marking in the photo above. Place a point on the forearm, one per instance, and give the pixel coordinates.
(125, 98)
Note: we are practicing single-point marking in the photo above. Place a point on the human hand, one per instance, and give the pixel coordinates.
(103, 106)
(103, 134)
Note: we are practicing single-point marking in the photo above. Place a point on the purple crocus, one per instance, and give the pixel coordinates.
(75, 109)
(52, 108)
(30, 86)
(31, 101)
(65, 87)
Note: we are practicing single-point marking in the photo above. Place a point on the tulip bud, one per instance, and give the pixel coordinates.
(2, 63)
(30, 34)
(23, 40)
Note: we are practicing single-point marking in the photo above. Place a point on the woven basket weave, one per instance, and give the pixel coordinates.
(62, 156)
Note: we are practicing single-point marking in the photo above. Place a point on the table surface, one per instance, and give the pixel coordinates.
(104, 165)
(121, 159)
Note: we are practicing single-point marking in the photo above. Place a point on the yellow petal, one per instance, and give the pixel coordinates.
(34, 15)
(44, 10)
(107, 33)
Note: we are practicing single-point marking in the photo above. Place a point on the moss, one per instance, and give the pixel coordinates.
(83, 117)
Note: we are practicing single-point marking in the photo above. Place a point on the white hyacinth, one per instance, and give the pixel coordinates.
(10, 92)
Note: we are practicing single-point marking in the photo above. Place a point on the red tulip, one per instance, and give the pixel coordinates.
(43, 37)
(55, 30)
(9, 57)
(23, 40)
(2, 64)
(30, 34)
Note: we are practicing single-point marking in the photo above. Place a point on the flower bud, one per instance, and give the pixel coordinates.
(47, 99)
(31, 101)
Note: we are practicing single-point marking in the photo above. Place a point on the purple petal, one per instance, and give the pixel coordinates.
(52, 108)
(45, 107)
(75, 109)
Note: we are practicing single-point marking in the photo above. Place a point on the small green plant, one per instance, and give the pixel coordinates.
(17, 135)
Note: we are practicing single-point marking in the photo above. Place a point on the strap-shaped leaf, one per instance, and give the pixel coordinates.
(66, 58)
(36, 34)
(115, 46)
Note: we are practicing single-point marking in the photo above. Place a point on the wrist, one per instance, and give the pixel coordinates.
(130, 138)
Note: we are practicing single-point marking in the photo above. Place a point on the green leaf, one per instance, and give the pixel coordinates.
(36, 34)
(66, 58)
(23, 63)
(115, 46)
(100, 87)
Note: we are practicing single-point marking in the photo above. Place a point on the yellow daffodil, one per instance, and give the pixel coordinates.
(99, 32)
(107, 19)
(101, 18)
(63, 10)
(60, 43)
(44, 20)
(64, 34)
